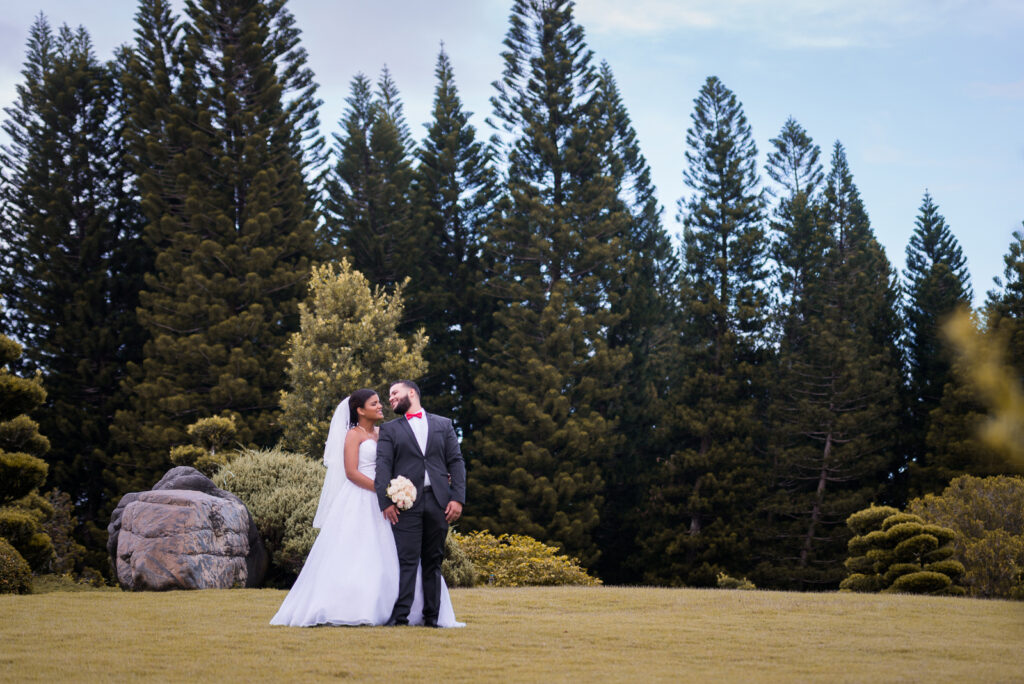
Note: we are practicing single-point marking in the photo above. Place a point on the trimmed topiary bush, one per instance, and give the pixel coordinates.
(15, 575)
(22, 470)
(921, 582)
(281, 490)
(518, 561)
(898, 552)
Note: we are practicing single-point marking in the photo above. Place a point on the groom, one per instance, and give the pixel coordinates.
(422, 447)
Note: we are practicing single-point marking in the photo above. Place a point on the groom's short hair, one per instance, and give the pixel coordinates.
(411, 385)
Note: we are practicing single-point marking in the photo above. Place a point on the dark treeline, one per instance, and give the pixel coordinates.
(664, 410)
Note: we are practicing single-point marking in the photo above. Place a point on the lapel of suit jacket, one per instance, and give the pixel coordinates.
(432, 432)
(407, 430)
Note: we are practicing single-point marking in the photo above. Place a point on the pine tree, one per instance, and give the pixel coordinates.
(224, 142)
(348, 340)
(369, 207)
(74, 257)
(835, 391)
(937, 283)
(454, 193)
(700, 509)
(1004, 308)
(800, 236)
(549, 374)
(646, 310)
(954, 444)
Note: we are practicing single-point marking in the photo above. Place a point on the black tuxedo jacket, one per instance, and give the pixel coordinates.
(398, 453)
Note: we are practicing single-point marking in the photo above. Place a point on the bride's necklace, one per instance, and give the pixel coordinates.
(368, 432)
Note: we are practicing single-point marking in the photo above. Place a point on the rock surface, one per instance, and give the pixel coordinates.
(185, 534)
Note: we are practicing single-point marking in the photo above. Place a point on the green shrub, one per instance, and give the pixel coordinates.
(68, 554)
(15, 575)
(20, 474)
(187, 455)
(518, 561)
(986, 520)
(861, 582)
(457, 568)
(916, 546)
(897, 570)
(214, 432)
(726, 582)
(22, 526)
(952, 568)
(869, 519)
(348, 339)
(899, 552)
(206, 454)
(920, 582)
(67, 583)
(900, 519)
(281, 490)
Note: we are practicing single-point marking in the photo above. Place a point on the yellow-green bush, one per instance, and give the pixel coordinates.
(15, 575)
(281, 490)
(725, 581)
(987, 520)
(348, 339)
(206, 454)
(518, 561)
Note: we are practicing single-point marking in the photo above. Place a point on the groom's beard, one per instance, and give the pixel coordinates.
(402, 407)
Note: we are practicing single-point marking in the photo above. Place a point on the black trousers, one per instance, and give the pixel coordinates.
(419, 536)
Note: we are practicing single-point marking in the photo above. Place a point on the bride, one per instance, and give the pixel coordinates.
(351, 574)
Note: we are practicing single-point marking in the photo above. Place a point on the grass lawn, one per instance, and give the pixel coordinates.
(530, 634)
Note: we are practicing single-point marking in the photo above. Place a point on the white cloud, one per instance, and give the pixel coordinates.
(801, 23)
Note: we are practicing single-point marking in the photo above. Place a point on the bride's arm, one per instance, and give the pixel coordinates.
(352, 462)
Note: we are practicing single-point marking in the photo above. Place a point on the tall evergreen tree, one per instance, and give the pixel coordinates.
(835, 391)
(369, 208)
(700, 509)
(937, 283)
(73, 258)
(454, 192)
(549, 373)
(646, 308)
(954, 446)
(225, 133)
(880, 311)
(799, 234)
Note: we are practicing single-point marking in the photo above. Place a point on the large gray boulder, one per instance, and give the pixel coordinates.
(185, 534)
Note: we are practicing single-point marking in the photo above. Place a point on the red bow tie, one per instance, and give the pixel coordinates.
(410, 416)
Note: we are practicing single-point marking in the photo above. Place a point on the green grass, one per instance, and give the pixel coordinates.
(530, 634)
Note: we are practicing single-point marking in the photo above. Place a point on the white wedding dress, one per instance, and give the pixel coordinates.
(351, 574)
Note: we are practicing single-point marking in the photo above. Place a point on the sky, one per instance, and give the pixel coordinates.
(923, 94)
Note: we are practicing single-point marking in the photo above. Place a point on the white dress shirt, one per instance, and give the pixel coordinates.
(419, 429)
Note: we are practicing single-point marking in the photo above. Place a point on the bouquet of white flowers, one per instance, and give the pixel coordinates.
(402, 492)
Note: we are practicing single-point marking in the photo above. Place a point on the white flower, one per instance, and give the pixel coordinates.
(402, 492)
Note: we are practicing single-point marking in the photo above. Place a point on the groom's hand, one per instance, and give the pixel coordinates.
(452, 511)
(391, 514)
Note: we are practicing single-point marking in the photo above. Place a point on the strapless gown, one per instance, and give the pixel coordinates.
(351, 574)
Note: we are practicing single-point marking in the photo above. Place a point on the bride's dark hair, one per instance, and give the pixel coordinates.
(357, 400)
